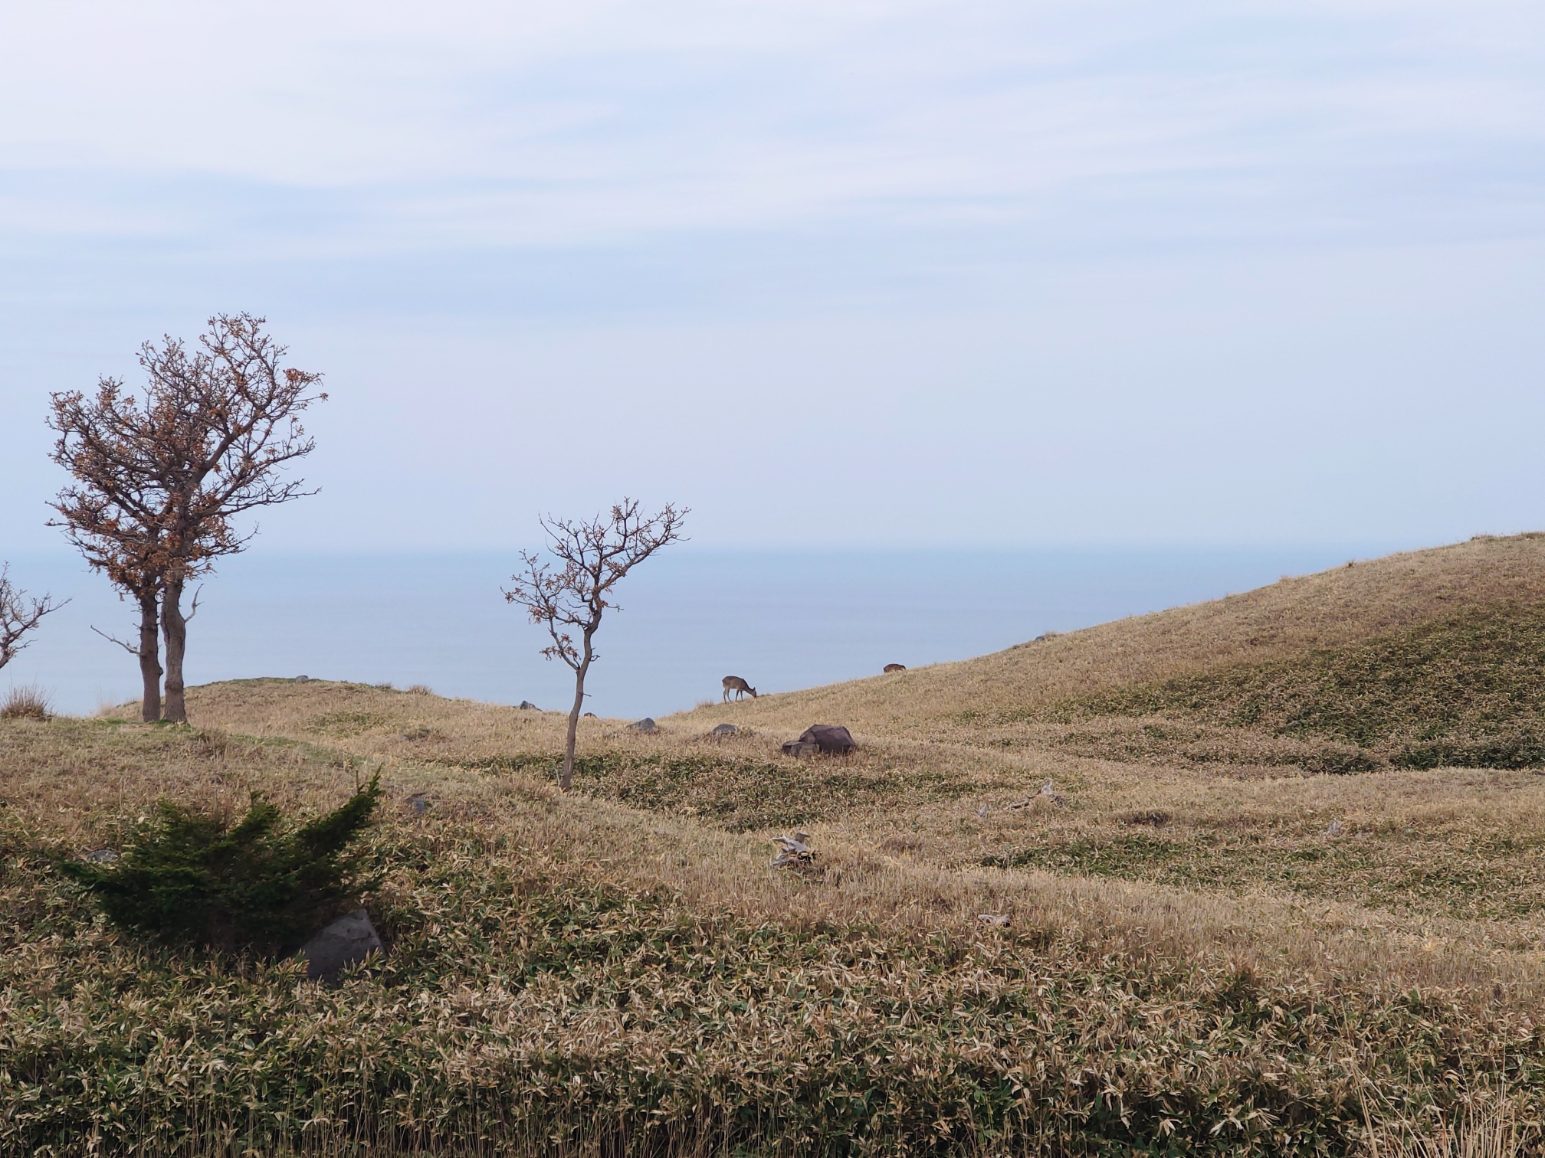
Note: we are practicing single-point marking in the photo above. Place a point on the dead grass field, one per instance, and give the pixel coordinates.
(1222, 952)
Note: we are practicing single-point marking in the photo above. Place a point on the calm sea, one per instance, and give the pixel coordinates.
(687, 618)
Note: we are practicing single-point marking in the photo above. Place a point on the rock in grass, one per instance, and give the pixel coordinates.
(528, 706)
(720, 731)
(647, 726)
(793, 851)
(346, 941)
(827, 739)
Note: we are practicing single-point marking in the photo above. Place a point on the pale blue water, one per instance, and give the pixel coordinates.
(689, 617)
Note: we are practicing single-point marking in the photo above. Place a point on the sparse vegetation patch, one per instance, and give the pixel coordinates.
(1466, 690)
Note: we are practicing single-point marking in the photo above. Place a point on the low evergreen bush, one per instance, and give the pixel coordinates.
(260, 886)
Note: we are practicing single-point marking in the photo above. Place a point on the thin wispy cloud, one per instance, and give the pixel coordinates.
(1052, 256)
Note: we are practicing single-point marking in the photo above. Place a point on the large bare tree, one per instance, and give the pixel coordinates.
(161, 480)
(571, 591)
(20, 614)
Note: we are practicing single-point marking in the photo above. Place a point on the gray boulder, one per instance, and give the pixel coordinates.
(825, 739)
(647, 726)
(347, 941)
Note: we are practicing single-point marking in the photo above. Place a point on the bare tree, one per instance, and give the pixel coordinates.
(160, 481)
(20, 613)
(571, 592)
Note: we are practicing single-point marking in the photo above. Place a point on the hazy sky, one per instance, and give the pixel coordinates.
(995, 272)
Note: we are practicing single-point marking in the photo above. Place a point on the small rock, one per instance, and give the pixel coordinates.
(347, 941)
(996, 920)
(794, 851)
(647, 726)
(1047, 792)
(528, 706)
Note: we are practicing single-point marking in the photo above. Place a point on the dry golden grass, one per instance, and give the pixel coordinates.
(1297, 614)
(1307, 963)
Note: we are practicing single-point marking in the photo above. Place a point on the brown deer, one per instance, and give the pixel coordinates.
(890, 667)
(739, 686)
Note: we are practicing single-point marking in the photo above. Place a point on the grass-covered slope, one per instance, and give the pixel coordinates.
(1462, 689)
(1205, 949)
(571, 975)
(1422, 659)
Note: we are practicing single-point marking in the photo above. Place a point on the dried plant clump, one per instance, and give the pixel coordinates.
(27, 702)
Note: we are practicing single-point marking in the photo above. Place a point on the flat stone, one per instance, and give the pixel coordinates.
(346, 941)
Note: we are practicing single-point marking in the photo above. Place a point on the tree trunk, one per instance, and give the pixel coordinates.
(175, 627)
(566, 777)
(149, 657)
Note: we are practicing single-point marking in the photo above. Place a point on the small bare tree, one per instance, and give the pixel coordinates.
(20, 613)
(160, 481)
(572, 591)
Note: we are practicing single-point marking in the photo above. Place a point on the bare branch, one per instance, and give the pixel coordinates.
(128, 647)
(20, 615)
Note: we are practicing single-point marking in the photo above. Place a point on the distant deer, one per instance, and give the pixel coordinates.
(739, 686)
(890, 667)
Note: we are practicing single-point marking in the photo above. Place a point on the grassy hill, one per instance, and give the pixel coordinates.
(1425, 658)
(1201, 942)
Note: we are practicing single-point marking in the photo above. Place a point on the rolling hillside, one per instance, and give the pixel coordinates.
(1234, 906)
(1431, 657)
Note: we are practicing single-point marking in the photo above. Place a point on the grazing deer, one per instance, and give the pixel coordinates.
(739, 686)
(890, 667)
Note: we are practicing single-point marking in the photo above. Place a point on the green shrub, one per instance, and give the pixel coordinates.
(259, 886)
